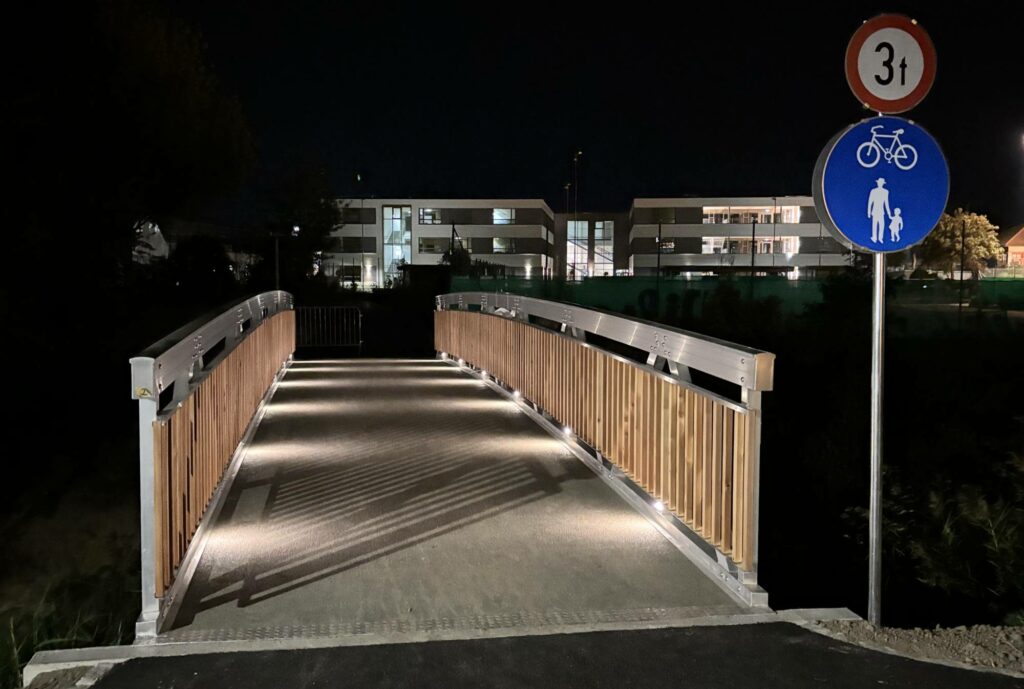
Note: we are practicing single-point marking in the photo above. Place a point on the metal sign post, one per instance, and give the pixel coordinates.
(877, 389)
(880, 186)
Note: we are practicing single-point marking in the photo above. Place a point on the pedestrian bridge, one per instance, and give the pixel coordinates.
(554, 468)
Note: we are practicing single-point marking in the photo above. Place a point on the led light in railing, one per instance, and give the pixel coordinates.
(516, 394)
(483, 373)
(462, 362)
(659, 505)
(444, 355)
(567, 430)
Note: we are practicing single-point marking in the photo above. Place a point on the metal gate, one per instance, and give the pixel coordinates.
(328, 326)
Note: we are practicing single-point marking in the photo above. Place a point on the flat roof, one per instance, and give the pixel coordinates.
(695, 201)
(462, 202)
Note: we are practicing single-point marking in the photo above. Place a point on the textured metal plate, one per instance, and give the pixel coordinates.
(513, 622)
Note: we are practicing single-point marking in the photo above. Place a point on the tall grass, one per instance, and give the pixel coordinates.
(94, 610)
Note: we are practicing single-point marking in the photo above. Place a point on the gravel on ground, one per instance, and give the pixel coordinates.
(1000, 648)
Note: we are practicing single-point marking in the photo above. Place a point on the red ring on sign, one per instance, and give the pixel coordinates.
(860, 36)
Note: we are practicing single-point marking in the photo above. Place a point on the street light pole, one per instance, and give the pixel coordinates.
(960, 300)
(277, 262)
(362, 232)
(753, 255)
(753, 245)
(658, 269)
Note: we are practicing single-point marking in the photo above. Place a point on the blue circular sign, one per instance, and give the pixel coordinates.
(881, 184)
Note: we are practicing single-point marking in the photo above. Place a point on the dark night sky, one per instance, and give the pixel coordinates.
(725, 100)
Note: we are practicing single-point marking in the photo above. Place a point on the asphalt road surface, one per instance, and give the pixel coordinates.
(761, 656)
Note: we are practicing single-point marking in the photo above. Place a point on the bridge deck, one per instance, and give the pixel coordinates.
(384, 497)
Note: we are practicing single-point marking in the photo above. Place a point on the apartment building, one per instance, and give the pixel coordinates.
(699, 236)
(673, 236)
(376, 236)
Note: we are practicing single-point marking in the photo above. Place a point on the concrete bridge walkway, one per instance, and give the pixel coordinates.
(384, 499)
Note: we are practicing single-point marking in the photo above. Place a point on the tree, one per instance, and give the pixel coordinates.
(112, 117)
(302, 214)
(970, 231)
(201, 272)
(459, 259)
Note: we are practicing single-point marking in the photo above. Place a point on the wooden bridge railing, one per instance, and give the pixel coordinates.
(198, 391)
(696, 451)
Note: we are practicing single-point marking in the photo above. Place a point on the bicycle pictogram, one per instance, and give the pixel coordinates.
(895, 151)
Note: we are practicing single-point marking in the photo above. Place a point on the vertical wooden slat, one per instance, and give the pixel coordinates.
(715, 484)
(727, 473)
(194, 442)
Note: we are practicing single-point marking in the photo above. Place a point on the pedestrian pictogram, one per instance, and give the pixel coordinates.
(881, 185)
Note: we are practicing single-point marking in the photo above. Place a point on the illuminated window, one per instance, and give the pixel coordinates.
(787, 245)
(604, 232)
(712, 245)
(504, 245)
(433, 245)
(503, 216)
(397, 239)
(576, 250)
(430, 216)
(790, 214)
(745, 215)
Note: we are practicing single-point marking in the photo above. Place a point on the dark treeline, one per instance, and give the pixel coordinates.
(113, 118)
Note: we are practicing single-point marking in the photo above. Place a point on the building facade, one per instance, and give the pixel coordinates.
(592, 244)
(1014, 245)
(377, 236)
(699, 236)
(673, 236)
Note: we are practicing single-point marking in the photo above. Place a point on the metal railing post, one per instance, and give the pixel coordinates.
(148, 408)
(752, 399)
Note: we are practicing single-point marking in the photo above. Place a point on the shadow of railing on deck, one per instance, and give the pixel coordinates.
(354, 469)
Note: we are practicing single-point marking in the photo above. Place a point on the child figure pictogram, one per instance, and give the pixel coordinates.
(895, 225)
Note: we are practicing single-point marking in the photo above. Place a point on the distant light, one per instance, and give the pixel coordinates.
(660, 506)
(295, 230)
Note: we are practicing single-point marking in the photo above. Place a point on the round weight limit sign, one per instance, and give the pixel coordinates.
(890, 63)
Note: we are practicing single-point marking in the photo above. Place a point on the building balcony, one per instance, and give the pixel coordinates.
(728, 230)
(727, 261)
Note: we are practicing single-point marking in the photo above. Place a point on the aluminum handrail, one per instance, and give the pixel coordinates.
(174, 358)
(750, 368)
